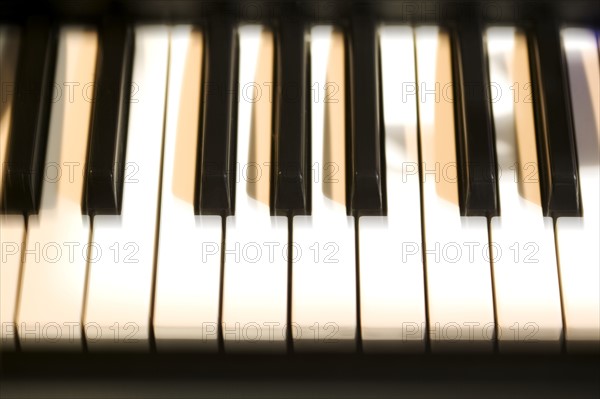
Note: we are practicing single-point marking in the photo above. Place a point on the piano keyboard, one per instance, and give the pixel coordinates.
(294, 188)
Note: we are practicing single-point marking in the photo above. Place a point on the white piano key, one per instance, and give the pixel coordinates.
(119, 288)
(392, 297)
(12, 228)
(12, 233)
(577, 238)
(324, 266)
(528, 308)
(459, 288)
(255, 269)
(186, 299)
(55, 258)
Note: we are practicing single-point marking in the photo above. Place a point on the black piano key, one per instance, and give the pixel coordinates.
(476, 161)
(215, 167)
(291, 175)
(559, 179)
(24, 169)
(364, 125)
(108, 130)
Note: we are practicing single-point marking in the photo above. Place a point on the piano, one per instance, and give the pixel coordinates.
(300, 198)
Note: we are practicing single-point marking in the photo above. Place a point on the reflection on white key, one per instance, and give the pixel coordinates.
(186, 299)
(577, 238)
(524, 259)
(12, 228)
(121, 265)
(392, 297)
(459, 287)
(255, 270)
(9, 51)
(324, 266)
(55, 259)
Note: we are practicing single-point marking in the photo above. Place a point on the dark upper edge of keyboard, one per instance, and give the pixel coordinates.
(407, 11)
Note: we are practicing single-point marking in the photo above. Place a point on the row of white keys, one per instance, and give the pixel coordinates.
(244, 310)
(121, 267)
(392, 297)
(186, 298)
(324, 266)
(186, 302)
(577, 238)
(55, 258)
(459, 287)
(524, 258)
(12, 227)
(255, 260)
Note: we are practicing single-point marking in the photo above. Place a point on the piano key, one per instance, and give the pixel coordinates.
(364, 117)
(255, 275)
(577, 238)
(188, 268)
(458, 280)
(55, 257)
(392, 297)
(121, 268)
(12, 231)
(9, 51)
(31, 111)
(528, 308)
(105, 165)
(474, 125)
(553, 122)
(324, 309)
(12, 227)
(292, 121)
(215, 168)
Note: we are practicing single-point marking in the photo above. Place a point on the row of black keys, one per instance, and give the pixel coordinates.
(215, 188)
